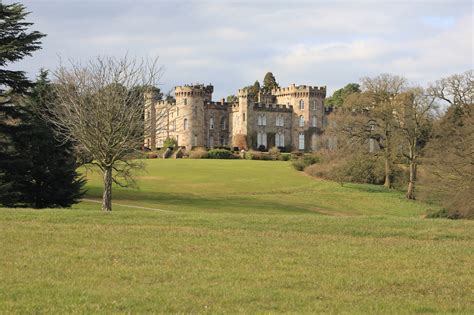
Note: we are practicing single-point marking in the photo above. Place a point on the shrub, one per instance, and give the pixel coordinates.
(220, 154)
(285, 156)
(261, 148)
(253, 155)
(151, 155)
(198, 153)
(274, 153)
(306, 160)
(169, 143)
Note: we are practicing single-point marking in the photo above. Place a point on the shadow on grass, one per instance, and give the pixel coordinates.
(189, 202)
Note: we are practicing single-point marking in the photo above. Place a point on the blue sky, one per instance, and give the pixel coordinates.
(232, 43)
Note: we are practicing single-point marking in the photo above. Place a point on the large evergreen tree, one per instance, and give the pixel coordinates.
(35, 169)
(269, 82)
(339, 96)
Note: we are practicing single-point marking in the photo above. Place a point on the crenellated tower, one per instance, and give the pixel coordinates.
(190, 114)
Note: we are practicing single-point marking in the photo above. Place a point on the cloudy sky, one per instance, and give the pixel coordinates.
(232, 43)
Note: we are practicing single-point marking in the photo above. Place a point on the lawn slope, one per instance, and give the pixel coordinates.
(232, 242)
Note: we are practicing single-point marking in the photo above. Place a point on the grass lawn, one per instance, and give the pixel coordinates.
(237, 236)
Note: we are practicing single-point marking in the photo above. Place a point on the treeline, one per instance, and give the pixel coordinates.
(385, 131)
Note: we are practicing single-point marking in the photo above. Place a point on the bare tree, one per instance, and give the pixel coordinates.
(450, 152)
(368, 116)
(99, 112)
(413, 116)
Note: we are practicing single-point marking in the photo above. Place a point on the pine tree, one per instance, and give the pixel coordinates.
(38, 171)
(35, 170)
(269, 82)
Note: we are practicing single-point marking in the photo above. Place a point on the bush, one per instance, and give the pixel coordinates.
(261, 148)
(253, 155)
(198, 153)
(285, 156)
(274, 153)
(304, 161)
(170, 143)
(151, 155)
(220, 154)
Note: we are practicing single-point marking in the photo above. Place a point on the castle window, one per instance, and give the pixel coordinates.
(195, 140)
(280, 121)
(264, 120)
(223, 124)
(313, 121)
(185, 123)
(280, 139)
(243, 116)
(301, 121)
(211, 123)
(314, 104)
(301, 141)
(177, 111)
(223, 141)
(261, 139)
(185, 101)
(211, 142)
(301, 104)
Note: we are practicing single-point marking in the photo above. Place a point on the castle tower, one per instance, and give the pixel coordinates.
(151, 98)
(243, 120)
(189, 117)
(308, 117)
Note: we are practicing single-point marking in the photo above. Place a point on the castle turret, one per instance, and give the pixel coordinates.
(151, 98)
(190, 115)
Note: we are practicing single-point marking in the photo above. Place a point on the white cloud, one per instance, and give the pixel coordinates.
(232, 44)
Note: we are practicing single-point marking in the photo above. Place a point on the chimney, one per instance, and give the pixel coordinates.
(223, 101)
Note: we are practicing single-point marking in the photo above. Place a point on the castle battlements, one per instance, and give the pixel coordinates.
(301, 90)
(193, 90)
(272, 107)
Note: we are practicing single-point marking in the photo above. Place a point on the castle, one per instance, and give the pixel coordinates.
(291, 118)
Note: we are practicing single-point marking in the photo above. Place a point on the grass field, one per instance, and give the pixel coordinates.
(236, 236)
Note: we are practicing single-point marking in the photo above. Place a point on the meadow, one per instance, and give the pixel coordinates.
(236, 236)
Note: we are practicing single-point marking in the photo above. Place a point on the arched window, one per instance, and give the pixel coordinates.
(261, 139)
(280, 139)
(223, 123)
(301, 104)
(301, 141)
(211, 142)
(185, 123)
(314, 104)
(264, 120)
(301, 121)
(185, 101)
(195, 140)
(243, 116)
(211, 123)
(313, 121)
(177, 111)
(280, 121)
(259, 120)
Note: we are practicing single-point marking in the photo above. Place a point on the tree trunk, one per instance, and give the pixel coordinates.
(411, 182)
(107, 194)
(388, 173)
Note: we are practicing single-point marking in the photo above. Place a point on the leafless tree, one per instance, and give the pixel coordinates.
(450, 152)
(414, 113)
(368, 116)
(97, 109)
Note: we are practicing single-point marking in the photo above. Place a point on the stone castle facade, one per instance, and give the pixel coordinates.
(292, 118)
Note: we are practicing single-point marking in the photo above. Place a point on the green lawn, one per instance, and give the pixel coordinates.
(237, 236)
